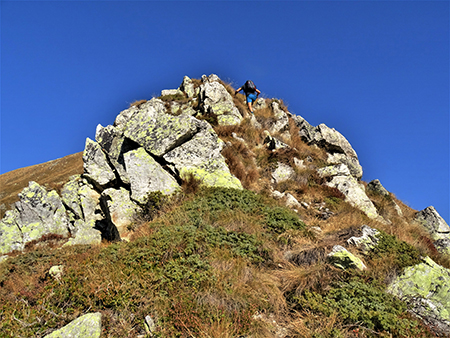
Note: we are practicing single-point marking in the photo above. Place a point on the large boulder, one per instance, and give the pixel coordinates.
(158, 132)
(215, 99)
(425, 288)
(37, 213)
(436, 226)
(147, 176)
(201, 157)
(87, 326)
(41, 213)
(338, 147)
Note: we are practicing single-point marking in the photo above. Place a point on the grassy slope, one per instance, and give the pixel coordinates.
(52, 175)
(225, 263)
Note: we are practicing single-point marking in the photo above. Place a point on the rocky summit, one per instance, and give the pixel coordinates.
(194, 218)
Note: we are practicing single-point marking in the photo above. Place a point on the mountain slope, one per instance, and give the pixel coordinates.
(304, 250)
(52, 175)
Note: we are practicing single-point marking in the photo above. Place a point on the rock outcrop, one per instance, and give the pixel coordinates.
(339, 177)
(36, 214)
(438, 229)
(147, 150)
(338, 148)
(154, 146)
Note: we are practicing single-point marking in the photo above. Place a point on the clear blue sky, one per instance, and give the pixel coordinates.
(376, 71)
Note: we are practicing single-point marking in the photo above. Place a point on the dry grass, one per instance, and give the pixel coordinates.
(137, 103)
(307, 324)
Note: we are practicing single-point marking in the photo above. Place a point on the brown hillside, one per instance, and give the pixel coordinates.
(52, 175)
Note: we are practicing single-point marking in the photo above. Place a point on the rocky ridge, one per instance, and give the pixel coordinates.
(154, 146)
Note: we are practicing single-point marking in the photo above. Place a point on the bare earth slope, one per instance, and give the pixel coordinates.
(52, 175)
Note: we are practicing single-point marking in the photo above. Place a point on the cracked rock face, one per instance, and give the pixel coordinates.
(158, 132)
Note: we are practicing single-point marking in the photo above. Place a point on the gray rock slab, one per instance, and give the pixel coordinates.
(147, 176)
(96, 166)
(436, 226)
(340, 178)
(367, 241)
(201, 157)
(281, 119)
(283, 172)
(71, 197)
(85, 234)
(215, 98)
(376, 187)
(187, 86)
(158, 132)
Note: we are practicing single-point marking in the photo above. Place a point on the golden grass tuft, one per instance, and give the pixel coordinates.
(137, 103)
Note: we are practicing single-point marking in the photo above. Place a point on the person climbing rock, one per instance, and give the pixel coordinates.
(251, 93)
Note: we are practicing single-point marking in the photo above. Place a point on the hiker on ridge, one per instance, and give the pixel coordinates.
(251, 93)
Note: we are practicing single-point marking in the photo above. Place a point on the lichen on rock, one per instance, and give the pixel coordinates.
(425, 287)
(87, 326)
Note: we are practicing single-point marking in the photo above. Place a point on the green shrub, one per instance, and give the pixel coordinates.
(364, 303)
(280, 219)
(404, 254)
